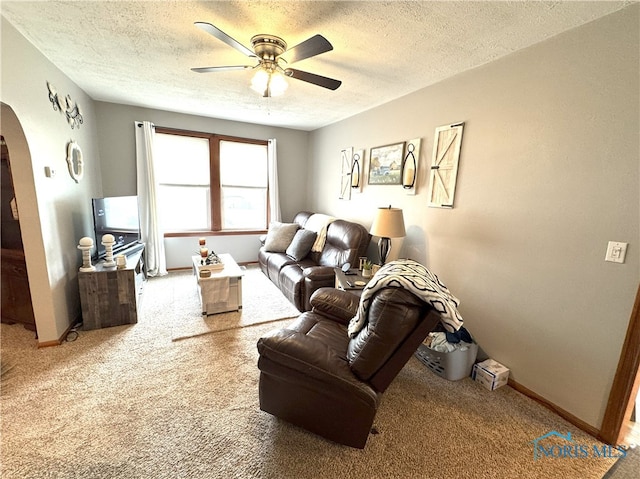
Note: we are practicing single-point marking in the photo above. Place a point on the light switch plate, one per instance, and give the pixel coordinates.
(616, 252)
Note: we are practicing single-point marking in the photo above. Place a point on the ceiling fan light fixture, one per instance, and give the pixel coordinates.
(269, 84)
(269, 79)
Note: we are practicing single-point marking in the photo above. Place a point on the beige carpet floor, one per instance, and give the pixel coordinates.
(128, 402)
(262, 303)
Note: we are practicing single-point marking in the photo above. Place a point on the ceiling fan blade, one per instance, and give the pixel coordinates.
(220, 35)
(311, 47)
(319, 80)
(221, 69)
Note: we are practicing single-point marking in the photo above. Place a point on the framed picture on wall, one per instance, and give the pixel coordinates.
(385, 164)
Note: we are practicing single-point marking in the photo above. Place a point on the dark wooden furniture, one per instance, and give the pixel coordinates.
(353, 283)
(16, 297)
(109, 296)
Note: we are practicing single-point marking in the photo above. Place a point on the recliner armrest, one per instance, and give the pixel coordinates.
(336, 304)
(312, 358)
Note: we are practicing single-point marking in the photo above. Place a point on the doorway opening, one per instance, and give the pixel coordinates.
(620, 426)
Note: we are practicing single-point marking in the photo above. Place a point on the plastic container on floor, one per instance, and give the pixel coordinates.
(453, 366)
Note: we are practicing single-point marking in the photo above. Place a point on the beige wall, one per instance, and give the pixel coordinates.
(117, 152)
(548, 175)
(117, 147)
(53, 211)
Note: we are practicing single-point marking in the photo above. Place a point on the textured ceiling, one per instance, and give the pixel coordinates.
(140, 53)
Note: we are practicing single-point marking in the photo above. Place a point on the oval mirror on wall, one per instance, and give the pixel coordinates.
(75, 162)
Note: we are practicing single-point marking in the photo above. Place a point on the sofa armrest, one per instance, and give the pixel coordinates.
(318, 274)
(336, 304)
(293, 351)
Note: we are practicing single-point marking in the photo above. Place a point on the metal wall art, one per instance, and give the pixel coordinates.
(65, 105)
(385, 164)
(444, 166)
(410, 166)
(357, 164)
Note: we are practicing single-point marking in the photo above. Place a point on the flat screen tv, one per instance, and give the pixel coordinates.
(116, 215)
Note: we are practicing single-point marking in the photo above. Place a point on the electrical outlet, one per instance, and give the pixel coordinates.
(616, 251)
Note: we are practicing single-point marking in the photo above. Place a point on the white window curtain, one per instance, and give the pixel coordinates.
(150, 225)
(274, 195)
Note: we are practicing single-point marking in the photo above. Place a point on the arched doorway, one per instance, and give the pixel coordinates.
(16, 295)
(14, 258)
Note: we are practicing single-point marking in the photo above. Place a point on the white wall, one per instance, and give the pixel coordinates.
(548, 175)
(54, 212)
(117, 151)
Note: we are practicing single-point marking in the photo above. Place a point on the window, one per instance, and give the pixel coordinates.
(210, 182)
(243, 185)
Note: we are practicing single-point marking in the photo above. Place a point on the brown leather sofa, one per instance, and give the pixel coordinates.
(346, 242)
(314, 376)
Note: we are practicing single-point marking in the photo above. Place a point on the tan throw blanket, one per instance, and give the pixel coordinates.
(319, 223)
(417, 279)
(219, 287)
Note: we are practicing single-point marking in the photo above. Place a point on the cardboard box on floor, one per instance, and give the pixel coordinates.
(491, 374)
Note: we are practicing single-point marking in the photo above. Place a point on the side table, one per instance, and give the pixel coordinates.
(353, 283)
(109, 296)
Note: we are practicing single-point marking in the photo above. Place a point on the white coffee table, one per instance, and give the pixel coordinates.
(211, 288)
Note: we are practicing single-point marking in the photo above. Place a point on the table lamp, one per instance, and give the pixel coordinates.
(388, 223)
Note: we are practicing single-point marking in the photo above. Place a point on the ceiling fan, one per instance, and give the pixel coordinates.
(273, 56)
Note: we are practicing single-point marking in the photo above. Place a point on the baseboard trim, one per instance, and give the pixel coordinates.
(567, 416)
(63, 338)
(48, 344)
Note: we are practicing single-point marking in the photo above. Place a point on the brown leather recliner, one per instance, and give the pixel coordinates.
(314, 376)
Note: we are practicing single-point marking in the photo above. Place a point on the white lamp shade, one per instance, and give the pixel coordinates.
(269, 84)
(388, 223)
(260, 81)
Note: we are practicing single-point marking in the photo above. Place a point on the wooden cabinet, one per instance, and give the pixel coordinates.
(109, 296)
(16, 297)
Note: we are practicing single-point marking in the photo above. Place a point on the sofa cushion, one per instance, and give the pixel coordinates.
(301, 244)
(346, 241)
(274, 263)
(279, 236)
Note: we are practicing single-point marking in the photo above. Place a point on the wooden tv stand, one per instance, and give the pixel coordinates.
(109, 296)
